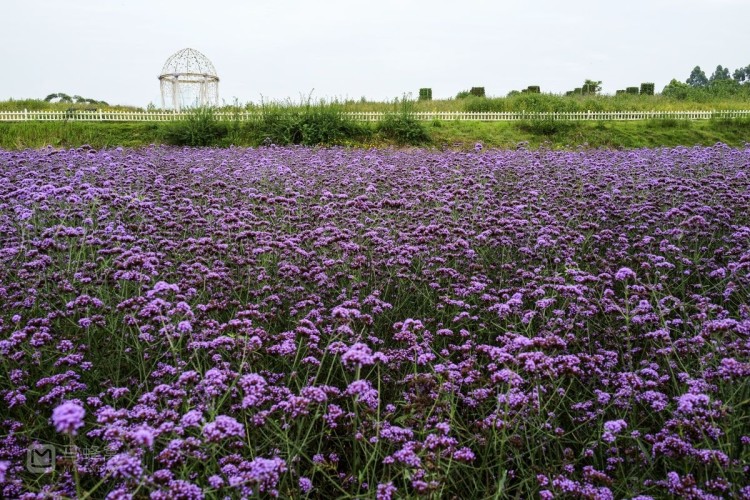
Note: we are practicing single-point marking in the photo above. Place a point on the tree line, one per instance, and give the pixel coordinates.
(63, 97)
(722, 83)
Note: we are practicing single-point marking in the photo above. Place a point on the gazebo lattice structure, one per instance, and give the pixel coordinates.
(187, 80)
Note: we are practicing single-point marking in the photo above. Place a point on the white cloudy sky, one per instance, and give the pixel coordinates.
(114, 50)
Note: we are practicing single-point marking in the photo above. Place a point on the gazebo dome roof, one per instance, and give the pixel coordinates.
(188, 62)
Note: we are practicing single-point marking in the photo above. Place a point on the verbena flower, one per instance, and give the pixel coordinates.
(625, 273)
(612, 428)
(143, 437)
(68, 417)
(125, 466)
(4, 466)
(305, 484)
(223, 427)
(386, 491)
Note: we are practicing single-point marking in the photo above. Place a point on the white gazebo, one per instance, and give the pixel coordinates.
(187, 80)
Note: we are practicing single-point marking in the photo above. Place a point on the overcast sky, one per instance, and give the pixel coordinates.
(114, 50)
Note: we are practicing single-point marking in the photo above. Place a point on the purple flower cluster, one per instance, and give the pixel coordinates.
(223, 427)
(612, 428)
(68, 417)
(334, 322)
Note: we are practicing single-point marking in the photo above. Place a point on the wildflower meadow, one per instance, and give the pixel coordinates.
(186, 323)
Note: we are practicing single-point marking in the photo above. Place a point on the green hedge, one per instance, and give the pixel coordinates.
(477, 91)
(425, 94)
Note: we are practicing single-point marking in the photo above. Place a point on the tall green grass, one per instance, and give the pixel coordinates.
(308, 124)
(200, 128)
(37, 134)
(557, 102)
(400, 125)
(693, 100)
(623, 102)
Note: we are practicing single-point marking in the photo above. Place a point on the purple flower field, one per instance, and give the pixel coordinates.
(332, 323)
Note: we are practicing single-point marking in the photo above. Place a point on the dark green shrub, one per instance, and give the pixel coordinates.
(620, 92)
(199, 128)
(533, 89)
(425, 94)
(647, 89)
(403, 130)
(477, 91)
(632, 90)
(402, 127)
(481, 105)
(328, 125)
(309, 125)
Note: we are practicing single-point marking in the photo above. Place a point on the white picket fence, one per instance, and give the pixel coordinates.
(491, 116)
(374, 116)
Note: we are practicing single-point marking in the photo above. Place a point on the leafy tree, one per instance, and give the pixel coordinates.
(697, 78)
(742, 75)
(677, 90)
(591, 87)
(62, 97)
(720, 74)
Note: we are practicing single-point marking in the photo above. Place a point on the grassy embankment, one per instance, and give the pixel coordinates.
(442, 134)
(327, 124)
